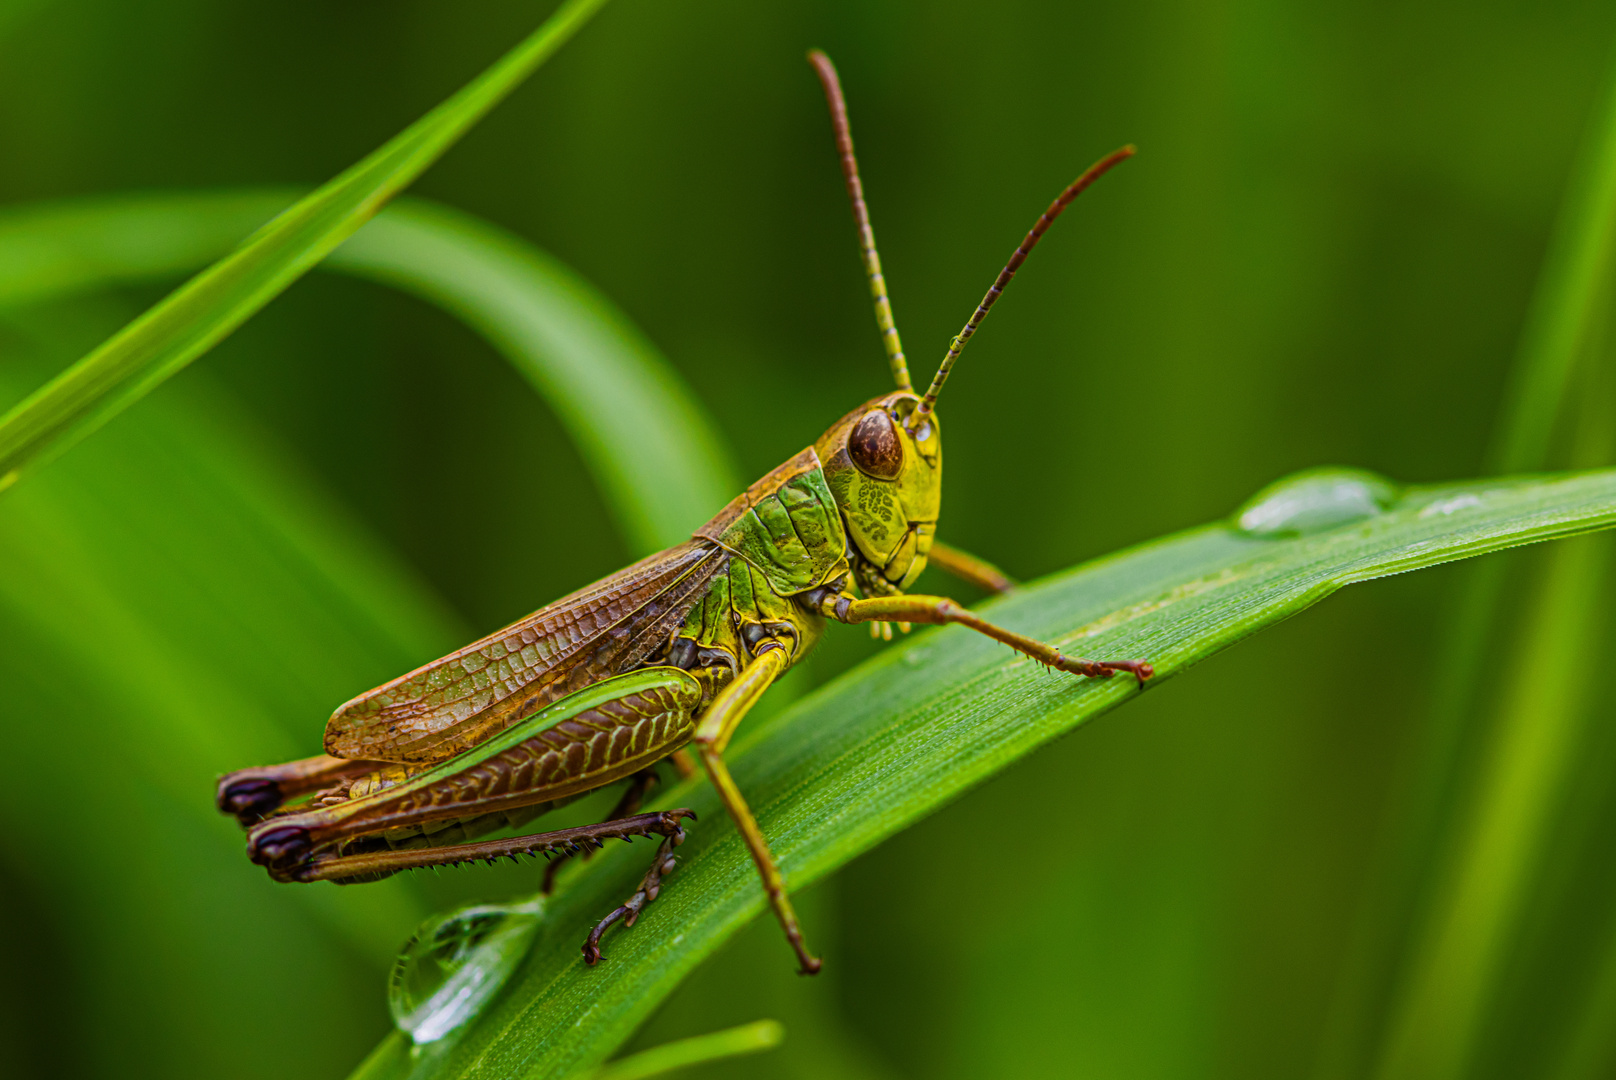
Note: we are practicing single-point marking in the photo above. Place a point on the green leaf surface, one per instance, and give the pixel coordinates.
(199, 314)
(655, 454)
(890, 742)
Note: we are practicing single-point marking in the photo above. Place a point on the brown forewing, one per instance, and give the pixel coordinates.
(445, 707)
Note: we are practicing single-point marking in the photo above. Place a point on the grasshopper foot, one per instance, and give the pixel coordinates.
(249, 799)
(650, 886)
(281, 848)
(1104, 669)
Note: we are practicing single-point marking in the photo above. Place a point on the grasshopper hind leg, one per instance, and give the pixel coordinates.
(629, 805)
(371, 864)
(250, 795)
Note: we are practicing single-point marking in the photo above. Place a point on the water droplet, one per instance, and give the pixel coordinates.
(1450, 505)
(1315, 500)
(456, 963)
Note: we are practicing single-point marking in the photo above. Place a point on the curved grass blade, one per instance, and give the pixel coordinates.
(656, 455)
(890, 742)
(200, 313)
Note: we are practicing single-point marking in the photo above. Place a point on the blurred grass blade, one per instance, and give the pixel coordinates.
(1497, 848)
(1572, 296)
(1564, 326)
(13, 12)
(1422, 977)
(1501, 838)
(1570, 301)
(903, 734)
(177, 602)
(658, 459)
(698, 1050)
(200, 313)
(1590, 1049)
(656, 455)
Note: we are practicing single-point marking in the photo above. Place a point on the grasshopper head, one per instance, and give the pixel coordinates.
(887, 481)
(884, 460)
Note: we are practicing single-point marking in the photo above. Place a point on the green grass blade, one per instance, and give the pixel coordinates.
(1388, 995)
(656, 455)
(1567, 307)
(1502, 837)
(890, 742)
(1391, 964)
(698, 1050)
(1497, 850)
(73, 247)
(178, 602)
(200, 313)
(1591, 1046)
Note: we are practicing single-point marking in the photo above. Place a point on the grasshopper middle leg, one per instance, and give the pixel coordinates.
(661, 866)
(969, 568)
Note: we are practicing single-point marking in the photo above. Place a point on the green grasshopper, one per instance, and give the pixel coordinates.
(599, 687)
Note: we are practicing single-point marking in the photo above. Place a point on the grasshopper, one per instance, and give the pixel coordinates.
(672, 652)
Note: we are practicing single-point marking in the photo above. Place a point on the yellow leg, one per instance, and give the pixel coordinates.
(940, 609)
(968, 568)
(728, 709)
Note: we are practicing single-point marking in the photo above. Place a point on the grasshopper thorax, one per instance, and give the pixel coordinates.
(884, 467)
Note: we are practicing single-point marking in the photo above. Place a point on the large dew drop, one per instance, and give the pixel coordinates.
(1315, 500)
(456, 963)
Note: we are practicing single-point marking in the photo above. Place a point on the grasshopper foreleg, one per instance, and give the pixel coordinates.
(940, 609)
(627, 806)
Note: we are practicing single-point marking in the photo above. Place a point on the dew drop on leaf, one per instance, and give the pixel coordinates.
(1315, 500)
(456, 963)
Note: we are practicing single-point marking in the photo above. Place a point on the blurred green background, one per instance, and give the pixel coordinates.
(1323, 254)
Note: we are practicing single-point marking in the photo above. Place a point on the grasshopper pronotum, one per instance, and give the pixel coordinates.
(597, 688)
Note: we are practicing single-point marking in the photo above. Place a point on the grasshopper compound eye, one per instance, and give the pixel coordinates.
(874, 446)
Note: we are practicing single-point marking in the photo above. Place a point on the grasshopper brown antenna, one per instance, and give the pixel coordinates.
(1036, 233)
(861, 216)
